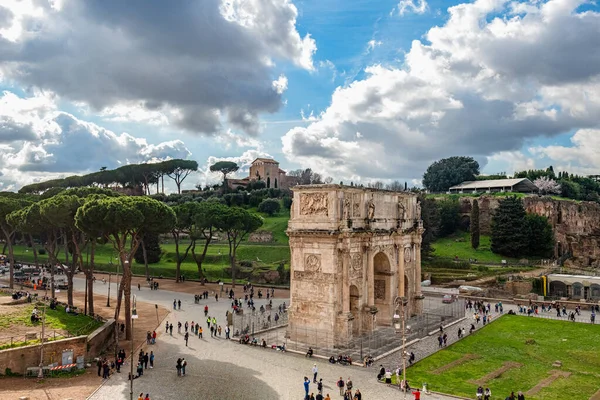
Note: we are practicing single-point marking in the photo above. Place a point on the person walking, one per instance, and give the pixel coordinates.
(99, 365)
(179, 304)
(227, 330)
(320, 387)
(139, 287)
(315, 371)
(186, 338)
(174, 304)
(105, 369)
(183, 365)
(178, 367)
(349, 384)
(340, 385)
(153, 337)
(151, 359)
(171, 329)
(179, 327)
(167, 327)
(200, 332)
(306, 385)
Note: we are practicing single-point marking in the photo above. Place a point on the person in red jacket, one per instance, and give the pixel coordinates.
(417, 394)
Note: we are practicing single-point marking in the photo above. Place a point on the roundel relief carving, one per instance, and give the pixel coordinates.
(312, 263)
(407, 255)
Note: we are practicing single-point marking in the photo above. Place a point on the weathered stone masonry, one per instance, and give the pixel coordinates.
(353, 250)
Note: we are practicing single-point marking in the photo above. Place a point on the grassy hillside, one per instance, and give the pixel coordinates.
(459, 245)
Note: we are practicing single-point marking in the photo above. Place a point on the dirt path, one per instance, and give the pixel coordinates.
(80, 387)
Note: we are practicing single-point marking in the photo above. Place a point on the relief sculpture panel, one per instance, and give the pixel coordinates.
(313, 276)
(356, 266)
(314, 204)
(312, 263)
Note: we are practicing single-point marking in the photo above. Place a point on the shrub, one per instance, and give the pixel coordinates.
(269, 206)
(41, 252)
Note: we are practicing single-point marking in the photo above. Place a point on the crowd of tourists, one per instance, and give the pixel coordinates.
(345, 387)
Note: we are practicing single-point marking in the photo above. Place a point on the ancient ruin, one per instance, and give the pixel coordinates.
(353, 250)
(576, 225)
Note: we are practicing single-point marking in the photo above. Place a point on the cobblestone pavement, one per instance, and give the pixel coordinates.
(222, 369)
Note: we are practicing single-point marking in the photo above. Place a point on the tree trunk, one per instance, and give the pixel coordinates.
(232, 263)
(90, 278)
(127, 293)
(11, 256)
(178, 263)
(50, 249)
(68, 272)
(145, 254)
(4, 247)
(34, 249)
(162, 181)
(200, 260)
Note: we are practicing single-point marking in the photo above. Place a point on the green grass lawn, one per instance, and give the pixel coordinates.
(576, 345)
(55, 320)
(459, 244)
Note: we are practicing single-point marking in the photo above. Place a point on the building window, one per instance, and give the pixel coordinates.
(268, 182)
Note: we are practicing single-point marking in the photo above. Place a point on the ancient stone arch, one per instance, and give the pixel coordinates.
(368, 245)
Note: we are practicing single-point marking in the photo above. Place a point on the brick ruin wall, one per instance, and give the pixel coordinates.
(20, 358)
(576, 224)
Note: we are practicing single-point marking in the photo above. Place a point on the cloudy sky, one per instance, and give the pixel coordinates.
(358, 90)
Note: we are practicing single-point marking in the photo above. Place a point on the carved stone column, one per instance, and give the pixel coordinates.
(345, 281)
(370, 275)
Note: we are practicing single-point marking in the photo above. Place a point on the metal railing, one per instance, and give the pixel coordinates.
(251, 323)
(374, 343)
(27, 339)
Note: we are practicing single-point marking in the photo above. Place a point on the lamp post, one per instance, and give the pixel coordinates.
(133, 318)
(399, 326)
(41, 371)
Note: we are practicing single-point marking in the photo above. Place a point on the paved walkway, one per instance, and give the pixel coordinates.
(221, 369)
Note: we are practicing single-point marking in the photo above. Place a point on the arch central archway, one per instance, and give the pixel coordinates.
(382, 285)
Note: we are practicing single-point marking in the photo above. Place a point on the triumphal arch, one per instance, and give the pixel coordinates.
(353, 250)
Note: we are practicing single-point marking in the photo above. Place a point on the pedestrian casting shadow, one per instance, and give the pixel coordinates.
(205, 379)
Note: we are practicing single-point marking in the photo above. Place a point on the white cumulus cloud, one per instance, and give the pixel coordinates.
(486, 82)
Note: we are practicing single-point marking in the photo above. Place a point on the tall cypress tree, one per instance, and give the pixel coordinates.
(510, 230)
(475, 225)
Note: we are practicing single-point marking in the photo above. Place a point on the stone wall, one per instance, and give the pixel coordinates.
(517, 288)
(20, 358)
(576, 224)
(101, 339)
(261, 237)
